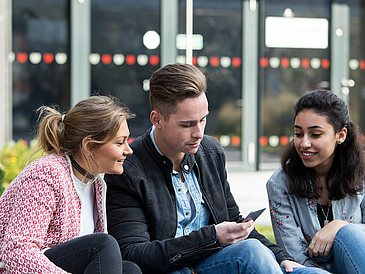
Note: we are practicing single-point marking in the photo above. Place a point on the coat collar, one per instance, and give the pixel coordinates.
(187, 164)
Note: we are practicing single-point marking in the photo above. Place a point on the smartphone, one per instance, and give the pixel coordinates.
(253, 215)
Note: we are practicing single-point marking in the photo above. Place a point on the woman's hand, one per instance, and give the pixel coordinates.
(288, 265)
(322, 242)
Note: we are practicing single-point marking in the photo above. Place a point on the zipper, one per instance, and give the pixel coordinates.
(177, 219)
(193, 252)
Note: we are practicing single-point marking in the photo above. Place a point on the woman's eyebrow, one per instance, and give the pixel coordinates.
(311, 127)
(120, 137)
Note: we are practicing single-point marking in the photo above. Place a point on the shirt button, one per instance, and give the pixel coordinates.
(187, 213)
(179, 189)
(186, 167)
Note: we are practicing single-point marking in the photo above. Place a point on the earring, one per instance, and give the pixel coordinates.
(339, 143)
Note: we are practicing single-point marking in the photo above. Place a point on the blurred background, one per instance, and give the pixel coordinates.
(259, 58)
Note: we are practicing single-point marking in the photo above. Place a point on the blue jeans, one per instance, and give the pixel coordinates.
(91, 254)
(245, 257)
(349, 250)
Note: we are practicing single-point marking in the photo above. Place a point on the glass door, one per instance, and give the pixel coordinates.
(40, 60)
(291, 62)
(217, 51)
(125, 50)
(356, 83)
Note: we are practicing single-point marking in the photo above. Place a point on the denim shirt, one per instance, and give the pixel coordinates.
(192, 212)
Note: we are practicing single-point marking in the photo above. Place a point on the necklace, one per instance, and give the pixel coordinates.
(82, 171)
(326, 216)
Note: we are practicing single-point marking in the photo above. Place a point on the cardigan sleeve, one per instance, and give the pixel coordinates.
(32, 202)
(362, 207)
(288, 234)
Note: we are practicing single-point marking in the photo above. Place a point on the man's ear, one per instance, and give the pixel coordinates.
(156, 118)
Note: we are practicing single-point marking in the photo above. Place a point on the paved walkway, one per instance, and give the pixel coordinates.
(249, 191)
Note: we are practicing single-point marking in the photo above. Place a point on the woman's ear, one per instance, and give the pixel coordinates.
(342, 135)
(155, 118)
(85, 146)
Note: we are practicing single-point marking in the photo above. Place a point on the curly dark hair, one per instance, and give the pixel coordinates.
(348, 166)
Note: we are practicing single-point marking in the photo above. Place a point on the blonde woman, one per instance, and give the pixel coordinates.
(52, 216)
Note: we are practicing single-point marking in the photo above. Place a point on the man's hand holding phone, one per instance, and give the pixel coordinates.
(229, 233)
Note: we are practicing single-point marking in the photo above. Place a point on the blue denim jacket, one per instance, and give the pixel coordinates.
(192, 214)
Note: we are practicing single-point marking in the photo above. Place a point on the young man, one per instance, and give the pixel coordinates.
(172, 209)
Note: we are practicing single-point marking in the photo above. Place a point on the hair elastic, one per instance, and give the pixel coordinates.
(63, 117)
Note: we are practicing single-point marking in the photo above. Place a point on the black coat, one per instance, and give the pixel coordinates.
(142, 210)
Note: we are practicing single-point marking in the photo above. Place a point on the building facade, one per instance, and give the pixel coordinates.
(259, 58)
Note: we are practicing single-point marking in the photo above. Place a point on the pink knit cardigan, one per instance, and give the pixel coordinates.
(41, 209)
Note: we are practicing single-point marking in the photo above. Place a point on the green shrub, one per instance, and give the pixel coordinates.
(13, 158)
(2, 175)
(267, 232)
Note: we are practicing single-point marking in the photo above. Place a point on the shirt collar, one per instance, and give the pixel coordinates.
(153, 139)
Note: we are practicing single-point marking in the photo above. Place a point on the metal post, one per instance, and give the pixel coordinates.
(169, 29)
(189, 31)
(6, 103)
(250, 109)
(80, 50)
(340, 47)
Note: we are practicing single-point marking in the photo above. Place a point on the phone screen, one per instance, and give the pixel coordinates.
(253, 215)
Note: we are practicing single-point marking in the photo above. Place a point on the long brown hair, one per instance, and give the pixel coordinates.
(348, 166)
